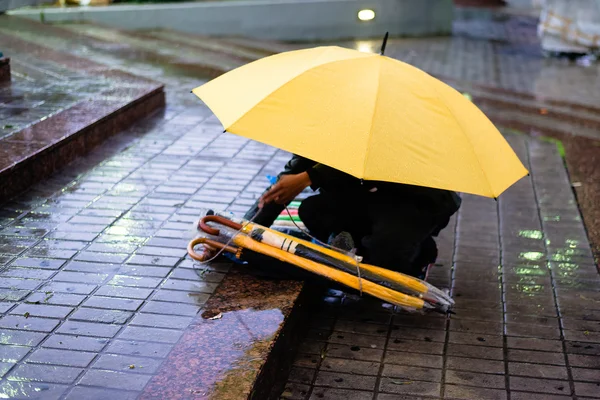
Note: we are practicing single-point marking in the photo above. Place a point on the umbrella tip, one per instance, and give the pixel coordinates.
(385, 39)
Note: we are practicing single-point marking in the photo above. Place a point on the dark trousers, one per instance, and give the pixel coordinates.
(387, 233)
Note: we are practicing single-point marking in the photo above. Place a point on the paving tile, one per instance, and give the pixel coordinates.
(151, 334)
(42, 310)
(475, 365)
(578, 360)
(160, 307)
(339, 394)
(177, 296)
(416, 346)
(469, 392)
(388, 385)
(301, 375)
(475, 379)
(114, 380)
(161, 321)
(98, 315)
(427, 335)
(44, 373)
(61, 357)
(461, 350)
(411, 373)
(345, 381)
(153, 260)
(361, 328)
(190, 286)
(29, 273)
(70, 342)
(203, 275)
(13, 295)
(113, 303)
(411, 359)
(5, 367)
(471, 326)
(110, 258)
(28, 323)
(475, 339)
(63, 287)
(142, 270)
(539, 385)
(582, 336)
(534, 344)
(135, 348)
(127, 363)
(62, 299)
(368, 341)
(19, 284)
(536, 331)
(350, 366)
(90, 393)
(588, 389)
(585, 375)
(33, 390)
(90, 267)
(12, 354)
(19, 337)
(163, 251)
(80, 277)
(89, 329)
(354, 352)
(124, 292)
(5, 307)
(536, 396)
(537, 370)
(536, 357)
(144, 282)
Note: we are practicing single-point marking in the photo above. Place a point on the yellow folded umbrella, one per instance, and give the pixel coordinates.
(368, 115)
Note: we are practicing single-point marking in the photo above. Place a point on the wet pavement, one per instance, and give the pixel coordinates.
(527, 321)
(99, 299)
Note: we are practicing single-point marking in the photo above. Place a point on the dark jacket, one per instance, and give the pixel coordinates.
(438, 201)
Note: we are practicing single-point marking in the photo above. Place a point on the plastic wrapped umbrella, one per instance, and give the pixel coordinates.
(396, 288)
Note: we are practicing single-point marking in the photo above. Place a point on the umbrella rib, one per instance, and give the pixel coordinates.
(370, 136)
(457, 121)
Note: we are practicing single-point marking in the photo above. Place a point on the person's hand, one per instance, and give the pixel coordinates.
(286, 189)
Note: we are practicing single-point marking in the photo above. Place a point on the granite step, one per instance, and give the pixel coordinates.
(69, 106)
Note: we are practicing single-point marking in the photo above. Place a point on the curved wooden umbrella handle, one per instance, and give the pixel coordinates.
(212, 244)
(221, 220)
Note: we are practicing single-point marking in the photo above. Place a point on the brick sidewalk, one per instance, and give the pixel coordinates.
(527, 303)
(110, 231)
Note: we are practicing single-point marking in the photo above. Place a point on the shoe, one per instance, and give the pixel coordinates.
(342, 241)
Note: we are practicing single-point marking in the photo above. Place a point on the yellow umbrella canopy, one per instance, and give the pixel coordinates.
(368, 115)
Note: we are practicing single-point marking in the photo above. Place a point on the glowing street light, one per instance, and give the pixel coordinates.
(366, 15)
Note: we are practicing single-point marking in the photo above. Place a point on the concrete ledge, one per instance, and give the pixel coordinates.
(269, 19)
(12, 4)
(4, 69)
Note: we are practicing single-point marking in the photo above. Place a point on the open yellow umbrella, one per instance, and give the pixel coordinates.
(368, 115)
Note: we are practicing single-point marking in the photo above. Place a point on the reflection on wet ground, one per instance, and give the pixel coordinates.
(98, 299)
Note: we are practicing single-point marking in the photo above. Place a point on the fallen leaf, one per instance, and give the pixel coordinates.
(401, 382)
(26, 315)
(218, 316)
(131, 366)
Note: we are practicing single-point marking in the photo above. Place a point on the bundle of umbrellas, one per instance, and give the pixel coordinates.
(370, 116)
(396, 288)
